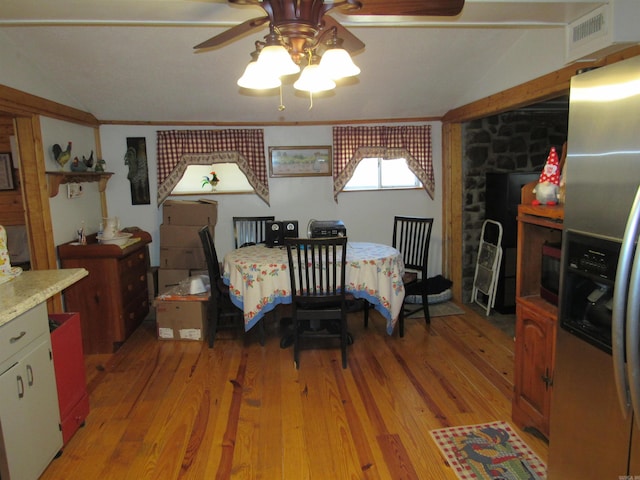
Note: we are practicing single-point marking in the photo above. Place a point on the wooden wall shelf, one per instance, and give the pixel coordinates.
(57, 178)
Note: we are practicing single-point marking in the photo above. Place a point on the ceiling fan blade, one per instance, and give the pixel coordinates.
(416, 8)
(233, 33)
(350, 42)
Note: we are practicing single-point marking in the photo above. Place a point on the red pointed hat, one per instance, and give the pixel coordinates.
(551, 171)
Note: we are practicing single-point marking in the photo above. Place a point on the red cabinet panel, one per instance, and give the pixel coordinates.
(68, 362)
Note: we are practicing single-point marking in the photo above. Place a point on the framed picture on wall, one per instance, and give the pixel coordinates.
(6, 172)
(135, 159)
(300, 161)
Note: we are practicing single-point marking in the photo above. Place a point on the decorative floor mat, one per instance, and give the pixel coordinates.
(491, 451)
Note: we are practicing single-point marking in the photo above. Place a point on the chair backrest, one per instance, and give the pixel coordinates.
(250, 230)
(411, 236)
(317, 270)
(213, 266)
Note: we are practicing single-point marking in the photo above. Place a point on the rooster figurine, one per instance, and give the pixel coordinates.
(88, 161)
(62, 157)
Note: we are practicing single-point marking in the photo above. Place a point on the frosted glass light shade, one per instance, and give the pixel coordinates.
(312, 79)
(337, 63)
(277, 60)
(256, 78)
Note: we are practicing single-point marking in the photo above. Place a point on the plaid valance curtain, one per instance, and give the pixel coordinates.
(179, 148)
(352, 144)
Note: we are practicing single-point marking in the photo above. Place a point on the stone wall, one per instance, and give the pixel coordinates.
(516, 141)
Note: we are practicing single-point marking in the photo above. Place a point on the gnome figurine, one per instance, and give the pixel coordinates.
(549, 184)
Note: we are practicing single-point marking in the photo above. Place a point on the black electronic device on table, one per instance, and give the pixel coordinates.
(326, 228)
(278, 230)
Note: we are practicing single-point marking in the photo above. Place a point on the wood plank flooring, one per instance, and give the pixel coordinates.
(179, 410)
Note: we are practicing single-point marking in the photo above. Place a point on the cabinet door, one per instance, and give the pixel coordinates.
(29, 415)
(97, 298)
(534, 350)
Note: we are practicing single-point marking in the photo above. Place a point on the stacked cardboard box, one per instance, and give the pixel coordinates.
(181, 319)
(181, 252)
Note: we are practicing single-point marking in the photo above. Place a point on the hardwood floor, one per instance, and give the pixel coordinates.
(169, 410)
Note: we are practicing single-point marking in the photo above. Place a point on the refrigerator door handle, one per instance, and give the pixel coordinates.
(620, 297)
(633, 334)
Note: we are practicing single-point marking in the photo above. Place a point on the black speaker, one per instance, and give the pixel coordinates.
(274, 235)
(290, 228)
(278, 230)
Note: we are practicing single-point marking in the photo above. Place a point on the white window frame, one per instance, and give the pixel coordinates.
(371, 187)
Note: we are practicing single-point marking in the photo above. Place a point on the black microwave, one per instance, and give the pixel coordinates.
(550, 272)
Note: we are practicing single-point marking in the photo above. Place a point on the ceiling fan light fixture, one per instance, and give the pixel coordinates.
(256, 77)
(276, 59)
(313, 80)
(337, 63)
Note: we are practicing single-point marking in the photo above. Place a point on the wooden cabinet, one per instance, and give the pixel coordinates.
(113, 299)
(30, 435)
(536, 319)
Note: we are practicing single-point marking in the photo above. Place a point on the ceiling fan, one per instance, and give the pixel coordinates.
(301, 24)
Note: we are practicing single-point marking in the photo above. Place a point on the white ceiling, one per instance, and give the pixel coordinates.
(133, 60)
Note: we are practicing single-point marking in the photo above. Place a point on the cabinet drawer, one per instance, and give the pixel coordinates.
(21, 331)
(133, 265)
(133, 285)
(133, 275)
(135, 312)
(136, 260)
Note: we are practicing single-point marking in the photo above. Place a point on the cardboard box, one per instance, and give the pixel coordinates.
(188, 212)
(169, 277)
(182, 258)
(181, 320)
(181, 235)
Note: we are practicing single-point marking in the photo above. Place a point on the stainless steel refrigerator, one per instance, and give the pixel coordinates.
(595, 410)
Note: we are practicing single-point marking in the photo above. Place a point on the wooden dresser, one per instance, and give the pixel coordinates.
(113, 299)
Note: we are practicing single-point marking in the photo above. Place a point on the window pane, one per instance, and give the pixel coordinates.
(231, 179)
(375, 174)
(365, 175)
(396, 173)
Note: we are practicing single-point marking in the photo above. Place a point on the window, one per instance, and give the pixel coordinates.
(231, 180)
(379, 174)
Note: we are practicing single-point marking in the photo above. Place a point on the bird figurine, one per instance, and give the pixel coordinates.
(88, 161)
(78, 166)
(62, 157)
(100, 164)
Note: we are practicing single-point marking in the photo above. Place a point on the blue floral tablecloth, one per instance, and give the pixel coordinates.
(258, 279)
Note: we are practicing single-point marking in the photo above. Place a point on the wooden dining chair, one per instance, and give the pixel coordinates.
(250, 230)
(317, 271)
(411, 236)
(220, 307)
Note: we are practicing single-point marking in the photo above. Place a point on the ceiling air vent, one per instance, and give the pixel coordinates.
(587, 29)
(606, 29)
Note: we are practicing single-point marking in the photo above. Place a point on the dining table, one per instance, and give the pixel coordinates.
(258, 279)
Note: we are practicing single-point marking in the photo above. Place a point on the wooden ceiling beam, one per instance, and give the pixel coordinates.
(543, 88)
(20, 103)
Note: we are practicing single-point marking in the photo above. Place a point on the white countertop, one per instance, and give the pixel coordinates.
(33, 287)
